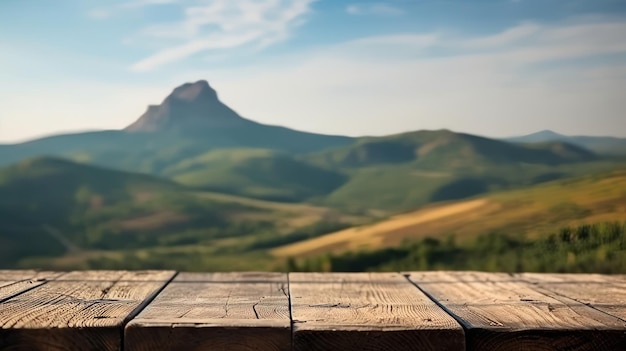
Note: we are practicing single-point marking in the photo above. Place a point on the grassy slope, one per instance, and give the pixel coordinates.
(531, 211)
(390, 173)
(49, 193)
(404, 171)
(444, 149)
(152, 152)
(393, 188)
(107, 217)
(255, 173)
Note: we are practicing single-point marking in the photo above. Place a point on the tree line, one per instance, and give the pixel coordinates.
(591, 248)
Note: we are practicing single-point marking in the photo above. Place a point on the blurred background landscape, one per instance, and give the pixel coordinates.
(397, 146)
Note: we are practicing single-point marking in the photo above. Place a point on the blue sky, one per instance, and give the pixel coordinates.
(489, 67)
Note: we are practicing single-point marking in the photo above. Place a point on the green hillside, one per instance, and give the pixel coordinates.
(256, 173)
(193, 185)
(48, 188)
(196, 140)
(406, 186)
(412, 169)
(53, 209)
(54, 193)
(573, 225)
(600, 145)
(59, 214)
(445, 149)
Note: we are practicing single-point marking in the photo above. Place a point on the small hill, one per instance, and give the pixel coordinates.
(52, 210)
(600, 145)
(531, 211)
(256, 173)
(445, 149)
(53, 184)
(42, 197)
(540, 137)
(403, 171)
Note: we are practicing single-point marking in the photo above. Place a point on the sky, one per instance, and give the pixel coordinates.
(488, 67)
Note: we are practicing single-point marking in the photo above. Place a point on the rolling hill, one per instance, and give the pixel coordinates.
(40, 196)
(256, 173)
(445, 149)
(196, 140)
(407, 170)
(49, 207)
(59, 214)
(600, 145)
(532, 212)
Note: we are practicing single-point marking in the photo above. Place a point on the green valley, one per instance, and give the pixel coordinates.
(191, 185)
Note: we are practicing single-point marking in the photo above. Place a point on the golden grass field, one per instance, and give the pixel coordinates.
(530, 211)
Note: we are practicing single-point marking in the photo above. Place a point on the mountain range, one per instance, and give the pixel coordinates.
(196, 140)
(601, 145)
(193, 171)
(189, 122)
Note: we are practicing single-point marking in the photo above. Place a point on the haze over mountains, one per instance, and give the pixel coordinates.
(190, 121)
(603, 145)
(196, 140)
(191, 171)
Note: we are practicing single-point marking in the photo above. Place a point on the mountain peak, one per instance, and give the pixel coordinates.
(194, 91)
(540, 137)
(190, 107)
(548, 132)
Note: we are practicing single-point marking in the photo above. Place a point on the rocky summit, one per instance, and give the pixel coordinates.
(191, 106)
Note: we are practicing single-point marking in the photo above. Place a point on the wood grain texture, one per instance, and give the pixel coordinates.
(16, 282)
(215, 311)
(367, 311)
(502, 312)
(77, 311)
(570, 278)
(606, 293)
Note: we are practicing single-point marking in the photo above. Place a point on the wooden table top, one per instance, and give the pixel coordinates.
(167, 310)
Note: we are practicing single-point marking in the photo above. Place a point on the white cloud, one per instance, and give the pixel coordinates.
(542, 77)
(495, 89)
(508, 36)
(373, 9)
(190, 48)
(223, 24)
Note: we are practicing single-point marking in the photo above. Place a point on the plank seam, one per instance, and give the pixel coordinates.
(142, 306)
(291, 323)
(458, 319)
(543, 290)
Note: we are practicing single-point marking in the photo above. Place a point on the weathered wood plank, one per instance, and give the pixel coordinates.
(16, 282)
(606, 293)
(215, 311)
(77, 311)
(501, 312)
(571, 278)
(367, 311)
